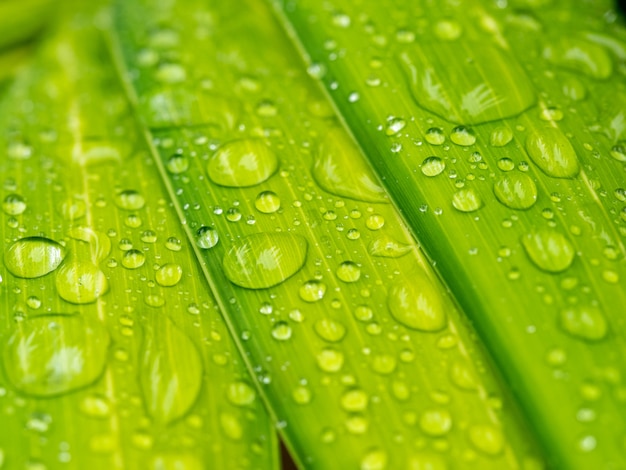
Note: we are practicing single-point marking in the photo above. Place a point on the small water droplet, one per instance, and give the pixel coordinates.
(301, 395)
(81, 282)
(436, 422)
(267, 202)
(242, 163)
(348, 271)
(240, 393)
(433, 166)
(435, 136)
(33, 257)
(506, 164)
(618, 152)
(312, 291)
(375, 222)
(133, 259)
(448, 30)
(206, 237)
(486, 439)
(72, 209)
(281, 331)
(129, 200)
(354, 400)
(177, 164)
(374, 459)
(13, 204)
(500, 136)
(330, 360)
(386, 247)
(394, 125)
(169, 275)
(363, 313)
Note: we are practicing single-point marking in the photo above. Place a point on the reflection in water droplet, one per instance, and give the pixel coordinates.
(206, 237)
(81, 282)
(584, 322)
(13, 204)
(130, 200)
(267, 202)
(264, 260)
(348, 271)
(486, 439)
(55, 354)
(516, 190)
(242, 163)
(553, 153)
(312, 291)
(386, 247)
(329, 330)
(417, 304)
(618, 152)
(433, 166)
(169, 275)
(549, 250)
(466, 200)
(133, 259)
(33, 257)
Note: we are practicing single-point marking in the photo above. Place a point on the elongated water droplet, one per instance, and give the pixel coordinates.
(586, 322)
(264, 260)
(242, 163)
(618, 152)
(516, 190)
(33, 257)
(341, 169)
(169, 390)
(417, 304)
(466, 200)
(553, 153)
(54, 354)
(81, 282)
(169, 275)
(549, 250)
(386, 247)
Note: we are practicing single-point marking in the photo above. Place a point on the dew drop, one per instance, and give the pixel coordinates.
(33, 257)
(348, 271)
(506, 164)
(618, 152)
(133, 259)
(363, 313)
(354, 400)
(466, 200)
(386, 247)
(374, 459)
(500, 136)
(417, 304)
(375, 222)
(301, 395)
(206, 237)
(433, 166)
(394, 125)
(13, 204)
(281, 331)
(436, 422)
(549, 250)
(239, 393)
(267, 202)
(584, 322)
(169, 275)
(312, 291)
(553, 153)
(177, 164)
(463, 136)
(329, 330)
(486, 439)
(435, 136)
(330, 360)
(581, 56)
(72, 209)
(242, 163)
(383, 364)
(81, 282)
(130, 200)
(516, 190)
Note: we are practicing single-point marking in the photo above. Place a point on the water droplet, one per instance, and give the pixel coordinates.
(394, 125)
(551, 113)
(463, 136)
(500, 136)
(230, 426)
(149, 236)
(462, 377)
(177, 164)
(330, 360)
(580, 55)
(486, 439)
(33, 257)
(341, 169)
(95, 406)
(240, 393)
(553, 153)
(242, 163)
(54, 354)
(436, 422)
(417, 304)
(13, 204)
(435, 136)
(516, 190)
(363, 313)
(585, 322)
(206, 237)
(386, 247)
(348, 271)
(72, 208)
(233, 215)
(169, 390)
(375, 459)
(383, 364)
(466, 200)
(506, 164)
(465, 94)
(375, 222)
(169, 275)
(267, 202)
(129, 200)
(281, 331)
(81, 282)
(427, 461)
(133, 259)
(301, 395)
(432, 166)
(312, 291)
(618, 152)
(264, 260)
(354, 400)
(549, 250)
(587, 443)
(329, 330)
(448, 30)
(33, 302)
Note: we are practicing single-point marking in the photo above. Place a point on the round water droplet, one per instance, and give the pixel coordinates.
(264, 260)
(329, 330)
(462, 376)
(463, 136)
(133, 259)
(301, 395)
(516, 190)
(149, 236)
(394, 125)
(417, 304)
(312, 291)
(281, 331)
(81, 282)
(230, 426)
(267, 202)
(585, 322)
(33, 302)
(375, 222)
(500, 136)
(435, 136)
(433, 166)
(330, 360)
(206, 237)
(506, 164)
(375, 459)
(240, 393)
(54, 354)
(354, 400)
(436, 422)
(549, 250)
(466, 200)
(177, 164)
(169, 275)
(363, 313)
(348, 271)
(387, 247)
(383, 364)
(33, 257)
(130, 200)
(553, 153)
(13, 204)
(19, 150)
(486, 439)
(242, 163)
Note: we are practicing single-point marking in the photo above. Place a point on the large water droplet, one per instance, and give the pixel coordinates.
(55, 354)
(417, 304)
(553, 153)
(549, 250)
(580, 55)
(585, 322)
(264, 260)
(341, 169)
(169, 390)
(33, 257)
(242, 163)
(386, 247)
(267, 202)
(516, 190)
(81, 282)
